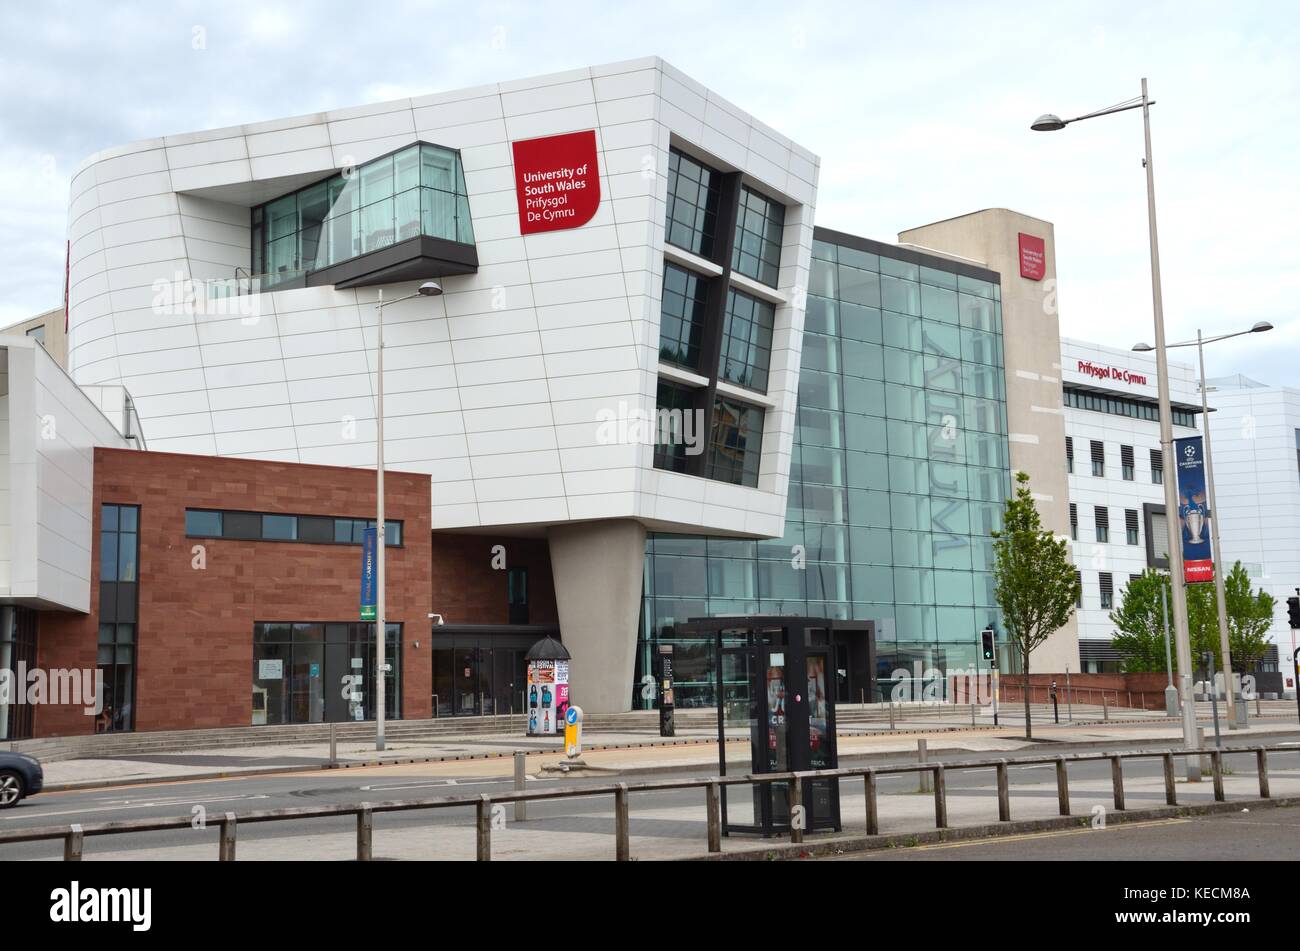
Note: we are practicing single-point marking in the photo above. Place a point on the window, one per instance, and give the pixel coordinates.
(119, 552)
(119, 542)
(757, 251)
(1131, 526)
(298, 670)
(692, 211)
(1078, 578)
(681, 317)
(1074, 521)
(735, 443)
(1098, 458)
(1102, 517)
(1157, 467)
(1297, 449)
(268, 527)
(1126, 462)
(1124, 406)
(678, 402)
(1107, 586)
(517, 595)
(746, 341)
(1069, 454)
(416, 191)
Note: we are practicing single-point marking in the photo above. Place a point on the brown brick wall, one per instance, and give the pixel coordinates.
(194, 634)
(467, 590)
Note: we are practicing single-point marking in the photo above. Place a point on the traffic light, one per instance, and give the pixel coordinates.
(1293, 611)
(986, 639)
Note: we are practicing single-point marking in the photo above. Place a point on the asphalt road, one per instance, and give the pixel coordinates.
(289, 790)
(1259, 835)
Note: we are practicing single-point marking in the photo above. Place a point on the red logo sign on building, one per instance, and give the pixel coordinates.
(557, 183)
(1033, 257)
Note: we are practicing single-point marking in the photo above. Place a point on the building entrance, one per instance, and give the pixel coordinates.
(480, 670)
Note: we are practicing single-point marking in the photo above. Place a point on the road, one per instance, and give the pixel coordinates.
(347, 787)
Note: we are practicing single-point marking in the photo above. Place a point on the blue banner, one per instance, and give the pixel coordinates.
(1193, 510)
(368, 574)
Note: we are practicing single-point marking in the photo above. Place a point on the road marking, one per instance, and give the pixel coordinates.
(136, 805)
(438, 783)
(1024, 836)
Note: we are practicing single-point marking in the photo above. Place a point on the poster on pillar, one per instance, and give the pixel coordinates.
(1193, 510)
(548, 692)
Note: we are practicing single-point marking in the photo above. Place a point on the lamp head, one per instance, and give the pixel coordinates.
(1143, 347)
(1260, 327)
(1048, 123)
(430, 289)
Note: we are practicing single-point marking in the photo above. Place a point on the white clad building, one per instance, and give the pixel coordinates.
(1115, 475)
(227, 278)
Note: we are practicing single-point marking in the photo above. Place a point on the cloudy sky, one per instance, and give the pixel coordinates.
(919, 110)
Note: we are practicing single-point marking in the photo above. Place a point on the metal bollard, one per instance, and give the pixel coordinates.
(873, 814)
(365, 832)
(1216, 764)
(622, 845)
(972, 714)
(226, 850)
(1004, 792)
(1171, 792)
(73, 843)
(891, 714)
(713, 806)
(1105, 709)
(1117, 780)
(483, 823)
(1261, 764)
(940, 798)
(334, 745)
(923, 776)
(796, 810)
(1062, 786)
(521, 780)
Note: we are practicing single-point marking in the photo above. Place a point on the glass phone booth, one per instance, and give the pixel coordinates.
(774, 679)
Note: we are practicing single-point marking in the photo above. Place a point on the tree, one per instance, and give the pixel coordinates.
(1036, 584)
(1140, 631)
(1250, 614)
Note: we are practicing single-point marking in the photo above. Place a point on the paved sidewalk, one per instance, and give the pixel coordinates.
(622, 752)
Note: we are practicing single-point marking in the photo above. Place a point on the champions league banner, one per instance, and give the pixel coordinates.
(1198, 559)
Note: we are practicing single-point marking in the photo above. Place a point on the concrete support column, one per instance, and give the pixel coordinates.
(598, 567)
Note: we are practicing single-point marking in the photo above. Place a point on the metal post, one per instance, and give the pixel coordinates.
(796, 810)
(226, 849)
(365, 832)
(622, 833)
(334, 744)
(873, 813)
(940, 798)
(891, 714)
(1214, 698)
(73, 843)
(381, 628)
(713, 807)
(1216, 764)
(972, 714)
(521, 780)
(483, 824)
(1261, 766)
(1004, 792)
(1117, 780)
(1069, 700)
(1062, 786)
(922, 777)
(1171, 692)
(1171, 792)
(1105, 708)
(1217, 549)
(1194, 761)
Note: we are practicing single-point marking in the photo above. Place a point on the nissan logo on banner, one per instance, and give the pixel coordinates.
(1193, 510)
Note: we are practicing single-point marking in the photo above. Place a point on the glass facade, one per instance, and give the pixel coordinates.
(419, 190)
(898, 475)
(682, 317)
(757, 249)
(299, 671)
(746, 341)
(693, 197)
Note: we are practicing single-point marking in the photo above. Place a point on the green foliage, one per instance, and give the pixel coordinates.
(1140, 636)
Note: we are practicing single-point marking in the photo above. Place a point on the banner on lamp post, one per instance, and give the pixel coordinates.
(368, 547)
(1193, 510)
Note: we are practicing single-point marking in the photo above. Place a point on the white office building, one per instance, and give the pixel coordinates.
(1116, 474)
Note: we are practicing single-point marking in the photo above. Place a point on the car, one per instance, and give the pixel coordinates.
(20, 776)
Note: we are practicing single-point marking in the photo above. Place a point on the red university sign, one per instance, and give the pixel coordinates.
(1033, 257)
(557, 183)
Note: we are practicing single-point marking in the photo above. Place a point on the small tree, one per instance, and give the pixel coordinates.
(1036, 584)
(1250, 614)
(1139, 625)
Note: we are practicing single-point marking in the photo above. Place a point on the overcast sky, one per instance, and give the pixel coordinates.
(919, 111)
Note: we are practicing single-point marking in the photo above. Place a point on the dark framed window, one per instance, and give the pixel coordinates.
(119, 542)
(735, 443)
(1124, 406)
(119, 553)
(1102, 516)
(517, 595)
(1131, 526)
(692, 211)
(1069, 454)
(1157, 467)
(681, 316)
(1126, 463)
(299, 666)
(1074, 521)
(1107, 587)
(746, 341)
(1098, 458)
(1078, 577)
(674, 400)
(274, 527)
(759, 225)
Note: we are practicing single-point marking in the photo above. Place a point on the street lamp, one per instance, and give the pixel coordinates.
(1199, 343)
(427, 289)
(1053, 123)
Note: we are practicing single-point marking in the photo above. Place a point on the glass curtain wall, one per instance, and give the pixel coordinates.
(299, 671)
(898, 477)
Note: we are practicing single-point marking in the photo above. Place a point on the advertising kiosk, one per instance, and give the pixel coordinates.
(546, 699)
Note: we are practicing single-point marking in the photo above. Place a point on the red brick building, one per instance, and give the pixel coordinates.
(225, 592)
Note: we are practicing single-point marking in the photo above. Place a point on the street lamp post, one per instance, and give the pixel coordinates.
(1224, 647)
(427, 289)
(1052, 123)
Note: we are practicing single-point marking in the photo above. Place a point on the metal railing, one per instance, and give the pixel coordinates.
(74, 836)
